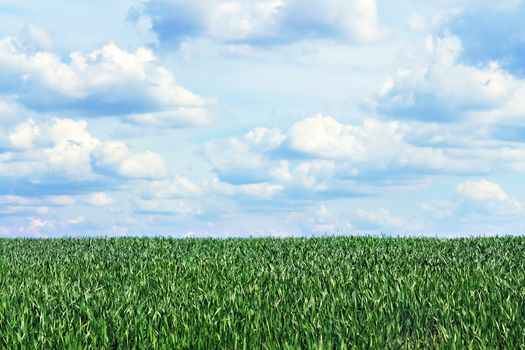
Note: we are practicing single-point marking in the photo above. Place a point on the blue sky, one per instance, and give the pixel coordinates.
(262, 117)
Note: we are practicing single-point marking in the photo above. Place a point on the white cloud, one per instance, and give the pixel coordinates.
(105, 81)
(173, 118)
(314, 175)
(510, 111)
(63, 148)
(36, 225)
(260, 190)
(339, 158)
(59, 146)
(475, 201)
(441, 88)
(114, 158)
(326, 137)
(233, 155)
(488, 195)
(100, 199)
(268, 20)
(24, 135)
(76, 221)
(371, 145)
(264, 138)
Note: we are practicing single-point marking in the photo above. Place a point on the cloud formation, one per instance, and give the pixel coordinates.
(106, 81)
(63, 150)
(260, 22)
(442, 88)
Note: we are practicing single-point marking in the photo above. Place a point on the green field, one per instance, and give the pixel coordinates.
(262, 293)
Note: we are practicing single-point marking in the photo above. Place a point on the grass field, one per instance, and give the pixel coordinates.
(262, 293)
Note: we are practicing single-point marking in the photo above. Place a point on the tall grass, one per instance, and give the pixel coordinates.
(262, 293)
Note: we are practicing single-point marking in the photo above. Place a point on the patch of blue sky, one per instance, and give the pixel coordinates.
(497, 35)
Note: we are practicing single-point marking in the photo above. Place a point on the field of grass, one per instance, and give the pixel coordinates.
(262, 293)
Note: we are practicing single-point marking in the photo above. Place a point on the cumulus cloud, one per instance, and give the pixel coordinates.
(36, 225)
(312, 175)
(321, 156)
(373, 144)
(64, 149)
(487, 195)
(235, 160)
(260, 21)
(442, 88)
(474, 198)
(264, 138)
(114, 158)
(106, 81)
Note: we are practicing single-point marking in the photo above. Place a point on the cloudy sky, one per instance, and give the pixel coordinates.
(262, 117)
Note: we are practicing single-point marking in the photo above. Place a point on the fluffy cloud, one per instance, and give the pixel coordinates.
(442, 88)
(481, 198)
(372, 145)
(107, 81)
(312, 175)
(264, 138)
(236, 160)
(488, 195)
(260, 21)
(321, 156)
(62, 149)
(114, 158)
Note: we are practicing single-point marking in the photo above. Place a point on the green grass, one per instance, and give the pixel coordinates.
(262, 293)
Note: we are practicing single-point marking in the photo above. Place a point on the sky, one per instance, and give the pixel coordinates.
(262, 118)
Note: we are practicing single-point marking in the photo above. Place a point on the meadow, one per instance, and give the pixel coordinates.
(262, 293)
